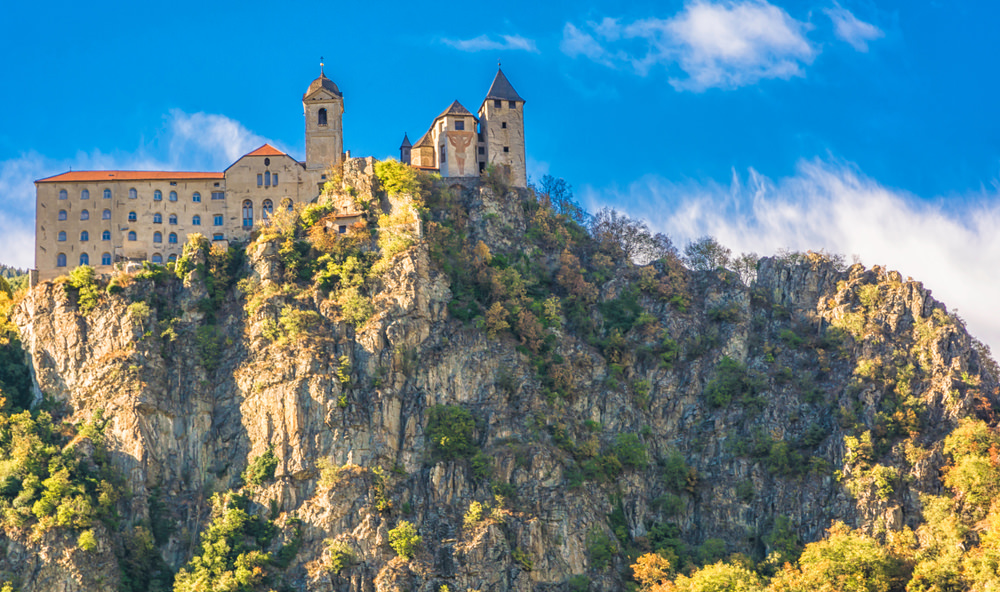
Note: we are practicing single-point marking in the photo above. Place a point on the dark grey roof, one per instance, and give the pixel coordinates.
(455, 108)
(406, 141)
(323, 82)
(502, 89)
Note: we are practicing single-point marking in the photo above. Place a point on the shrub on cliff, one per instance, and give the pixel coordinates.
(261, 468)
(404, 540)
(450, 430)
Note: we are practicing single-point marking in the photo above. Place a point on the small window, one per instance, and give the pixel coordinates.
(247, 214)
(218, 195)
(85, 214)
(107, 194)
(267, 162)
(106, 235)
(132, 217)
(444, 155)
(84, 236)
(173, 219)
(172, 239)
(106, 259)
(506, 148)
(274, 179)
(173, 196)
(218, 236)
(62, 214)
(321, 117)
(459, 125)
(85, 194)
(157, 218)
(482, 149)
(342, 229)
(61, 260)
(62, 236)
(482, 167)
(196, 197)
(157, 258)
(196, 221)
(215, 185)
(157, 195)
(260, 180)
(131, 235)
(172, 259)
(218, 220)
(84, 259)
(132, 193)
(63, 195)
(512, 104)
(497, 103)
(157, 237)
(503, 125)
(267, 178)
(267, 208)
(106, 215)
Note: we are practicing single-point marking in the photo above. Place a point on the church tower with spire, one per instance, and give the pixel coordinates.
(323, 104)
(501, 131)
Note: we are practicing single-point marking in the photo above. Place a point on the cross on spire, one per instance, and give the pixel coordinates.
(321, 65)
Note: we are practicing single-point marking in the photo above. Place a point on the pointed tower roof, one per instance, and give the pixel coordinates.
(502, 89)
(324, 83)
(455, 108)
(406, 142)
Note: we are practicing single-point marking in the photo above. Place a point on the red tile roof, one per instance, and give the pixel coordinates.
(266, 150)
(96, 176)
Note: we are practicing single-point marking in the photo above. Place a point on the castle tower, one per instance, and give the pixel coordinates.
(323, 105)
(501, 131)
(404, 150)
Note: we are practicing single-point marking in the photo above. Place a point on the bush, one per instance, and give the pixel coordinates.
(339, 555)
(450, 430)
(404, 540)
(731, 382)
(630, 450)
(87, 541)
(83, 286)
(601, 549)
(261, 468)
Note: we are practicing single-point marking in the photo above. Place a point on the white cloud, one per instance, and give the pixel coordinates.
(721, 44)
(484, 42)
(849, 28)
(952, 246)
(188, 141)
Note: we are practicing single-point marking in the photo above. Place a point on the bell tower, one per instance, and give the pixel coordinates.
(501, 131)
(323, 105)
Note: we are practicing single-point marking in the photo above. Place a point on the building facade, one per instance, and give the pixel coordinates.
(460, 144)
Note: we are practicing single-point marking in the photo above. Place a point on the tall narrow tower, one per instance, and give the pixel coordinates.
(501, 130)
(323, 104)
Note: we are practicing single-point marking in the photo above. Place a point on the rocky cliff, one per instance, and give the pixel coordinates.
(603, 410)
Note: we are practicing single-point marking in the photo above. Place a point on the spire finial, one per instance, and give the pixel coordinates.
(321, 66)
(498, 63)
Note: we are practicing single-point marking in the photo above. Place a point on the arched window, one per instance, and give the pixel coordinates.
(172, 238)
(173, 219)
(84, 236)
(106, 235)
(62, 236)
(131, 235)
(132, 193)
(321, 117)
(62, 214)
(132, 217)
(172, 259)
(266, 209)
(106, 259)
(196, 197)
(157, 237)
(84, 259)
(61, 260)
(247, 214)
(157, 218)
(196, 221)
(107, 194)
(85, 214)
(287, 204)
(157, 258)
(106, 215)
(63, 195)
(85, 194)
(157, 195)
(173, 196)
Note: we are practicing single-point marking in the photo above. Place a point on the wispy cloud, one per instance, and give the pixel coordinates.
(723, 44)
(951, 246)
(187, 141)
(485, 42)
(849, 28)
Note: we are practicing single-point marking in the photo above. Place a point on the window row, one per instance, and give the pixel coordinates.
(497, 103)
(132, 236)
(85, 215)
(133, 193)
(106, 259)
(267, 179)
(84, 194)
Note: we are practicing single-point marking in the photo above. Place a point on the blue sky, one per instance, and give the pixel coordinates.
(862, 127)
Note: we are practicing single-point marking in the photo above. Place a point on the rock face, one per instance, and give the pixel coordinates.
(186, 416)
